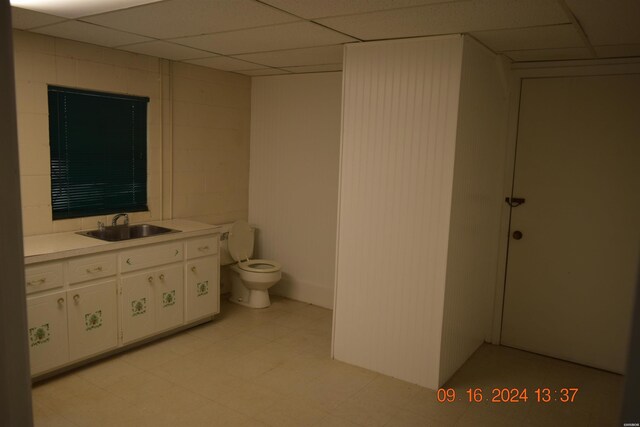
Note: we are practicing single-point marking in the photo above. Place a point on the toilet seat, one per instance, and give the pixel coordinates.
(259, 265)
(240, 241)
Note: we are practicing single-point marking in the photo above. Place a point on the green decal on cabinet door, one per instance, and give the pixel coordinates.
(93, 320)
(168, 298)
(39, 335)
(202, 288)
(138, 307)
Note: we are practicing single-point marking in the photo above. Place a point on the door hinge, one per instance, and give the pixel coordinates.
(514, 201)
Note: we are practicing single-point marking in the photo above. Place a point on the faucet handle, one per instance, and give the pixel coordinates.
(100, 225)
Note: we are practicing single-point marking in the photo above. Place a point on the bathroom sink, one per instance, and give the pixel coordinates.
(126, 232)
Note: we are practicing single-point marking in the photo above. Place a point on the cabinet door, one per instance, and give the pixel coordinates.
(138, 310)
(202, 288)
(47, 329)
(168, 297)
(92, 318)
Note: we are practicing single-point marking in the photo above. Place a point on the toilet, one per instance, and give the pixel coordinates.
(250, 278)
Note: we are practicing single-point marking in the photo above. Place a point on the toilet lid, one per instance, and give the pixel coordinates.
(240, 243)
(260, 266)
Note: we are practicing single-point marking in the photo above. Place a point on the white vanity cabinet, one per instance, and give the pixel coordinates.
(152, 301)
(82, 305)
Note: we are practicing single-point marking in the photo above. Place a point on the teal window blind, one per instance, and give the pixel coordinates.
(98, 147)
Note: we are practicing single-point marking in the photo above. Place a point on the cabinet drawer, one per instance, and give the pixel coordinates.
(202, 247)
(151, 256)
(40, 277)
(93, 267)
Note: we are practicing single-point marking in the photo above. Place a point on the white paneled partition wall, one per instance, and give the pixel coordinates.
(293, 189)
(401, 104)
(476, 202)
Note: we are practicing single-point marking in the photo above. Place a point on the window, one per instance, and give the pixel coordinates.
(98, 147)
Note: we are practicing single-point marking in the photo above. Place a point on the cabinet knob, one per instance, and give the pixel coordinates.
(37, 282)
(150, 279)
(76, 298)
(60, 301)
(193, 268)
(203, 248)
(94, 269)
(161, 277)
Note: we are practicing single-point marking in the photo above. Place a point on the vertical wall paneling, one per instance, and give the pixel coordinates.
(476, 204)
(293, 184)
(400, 106)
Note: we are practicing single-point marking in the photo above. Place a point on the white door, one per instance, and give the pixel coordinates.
(93, 319)
(138, 310)
(168, 297)
(202, 289)
(571, 274)
(47, 330)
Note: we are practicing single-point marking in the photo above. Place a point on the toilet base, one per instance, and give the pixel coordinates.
(255, 301)
(252, 298)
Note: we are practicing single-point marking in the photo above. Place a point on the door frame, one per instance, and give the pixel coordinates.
(519, 72)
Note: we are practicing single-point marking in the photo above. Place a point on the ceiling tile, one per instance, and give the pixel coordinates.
(315, 68)
(78, 8)
(449, 18)
(550, 36)
(275, 37)
(90, 33)
(549, 54)
(608, 22)
(182, 18)
(297, 57)
(24, 19)
(166, 50)
(263, 72)
(618, 51)
(310, 9)
(224, 63)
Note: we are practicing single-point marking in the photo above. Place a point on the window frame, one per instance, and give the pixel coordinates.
(98, 152)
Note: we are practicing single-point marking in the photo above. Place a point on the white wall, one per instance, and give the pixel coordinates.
(476, 204)
(197, 129)
(211, 113)
(15, 381)
(293, 189)
(41, 60)
(398, 145)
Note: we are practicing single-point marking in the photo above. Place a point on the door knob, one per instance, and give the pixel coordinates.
(517, 234)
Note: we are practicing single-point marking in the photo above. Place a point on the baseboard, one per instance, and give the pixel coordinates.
(304, 291)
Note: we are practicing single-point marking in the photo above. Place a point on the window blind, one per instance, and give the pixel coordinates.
(98, 145)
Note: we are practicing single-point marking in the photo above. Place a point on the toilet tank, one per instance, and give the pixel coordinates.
(225, 257)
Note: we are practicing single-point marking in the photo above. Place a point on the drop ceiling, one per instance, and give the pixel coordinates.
(268, 37)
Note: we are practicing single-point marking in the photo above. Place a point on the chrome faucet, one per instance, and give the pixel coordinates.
(114, 222)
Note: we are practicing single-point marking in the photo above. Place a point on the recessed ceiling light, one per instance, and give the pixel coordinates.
(77, 8)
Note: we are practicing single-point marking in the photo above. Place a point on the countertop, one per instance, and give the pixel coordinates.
(49, 247)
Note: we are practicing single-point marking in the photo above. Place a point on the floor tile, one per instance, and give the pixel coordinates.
(272, 367)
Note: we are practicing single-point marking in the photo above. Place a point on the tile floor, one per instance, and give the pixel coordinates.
(271, 367)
